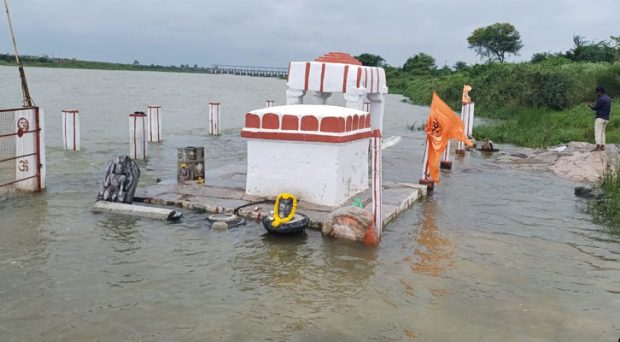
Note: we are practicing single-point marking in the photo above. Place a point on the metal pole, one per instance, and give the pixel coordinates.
(26, 93)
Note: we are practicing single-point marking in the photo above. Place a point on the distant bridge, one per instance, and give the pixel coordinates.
(246, 70)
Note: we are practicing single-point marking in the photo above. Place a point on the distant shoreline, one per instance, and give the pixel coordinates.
(66, 63)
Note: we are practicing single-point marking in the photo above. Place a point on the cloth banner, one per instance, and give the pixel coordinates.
(442, 125)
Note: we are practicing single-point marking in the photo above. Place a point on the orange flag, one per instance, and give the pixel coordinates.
(442, 125)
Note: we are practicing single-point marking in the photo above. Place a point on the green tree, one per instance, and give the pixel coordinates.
(586, 51)
(460, 66)
(495, 41)
(420, 64)
(369, 59)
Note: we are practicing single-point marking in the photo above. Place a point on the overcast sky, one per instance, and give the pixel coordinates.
(271, 33)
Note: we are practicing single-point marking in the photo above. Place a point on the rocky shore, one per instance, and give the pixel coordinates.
(574, 161)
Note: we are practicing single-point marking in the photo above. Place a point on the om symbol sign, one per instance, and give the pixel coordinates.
(23, 165)
(436, 128)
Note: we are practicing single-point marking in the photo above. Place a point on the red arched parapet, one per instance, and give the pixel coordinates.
(252, 121)
(271, 121)
(367, 124)
(356, 122)
(290, 123)
(349, 126)
(332, 124)
(309, 123)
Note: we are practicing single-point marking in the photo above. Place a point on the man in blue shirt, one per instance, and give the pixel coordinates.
(602, 107)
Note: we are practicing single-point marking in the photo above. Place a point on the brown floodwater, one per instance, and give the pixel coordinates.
(496, 253)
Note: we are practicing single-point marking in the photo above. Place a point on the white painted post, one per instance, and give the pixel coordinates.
(269, 103)
(446, 163)
(424, 180)
(470, 120)
(460, 148)
(153, 118)
(71, 129)
(138, 146)
(214, 118)
(377, 182)
(29, 150)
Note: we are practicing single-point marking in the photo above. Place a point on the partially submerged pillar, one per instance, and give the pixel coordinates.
(71, 129)
(28, 157)
(467, 116)
(153, 118)
(445, 162)
(138, 146)
(425, 179)
(214, 118)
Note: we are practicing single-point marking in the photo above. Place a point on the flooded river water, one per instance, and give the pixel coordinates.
(495, 254)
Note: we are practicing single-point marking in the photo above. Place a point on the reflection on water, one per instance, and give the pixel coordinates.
(433, 251)
(495, 254)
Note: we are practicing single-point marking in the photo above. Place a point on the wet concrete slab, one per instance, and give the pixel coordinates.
(222, 196)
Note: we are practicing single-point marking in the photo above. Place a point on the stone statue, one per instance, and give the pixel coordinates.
(120, 180)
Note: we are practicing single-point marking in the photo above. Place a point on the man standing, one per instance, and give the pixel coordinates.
(602, 106)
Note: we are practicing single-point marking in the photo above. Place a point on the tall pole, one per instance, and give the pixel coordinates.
(26, 93)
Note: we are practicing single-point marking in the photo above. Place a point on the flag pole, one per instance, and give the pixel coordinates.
(26, 93)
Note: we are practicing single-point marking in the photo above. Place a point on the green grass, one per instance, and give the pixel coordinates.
(607, 210)
(544, 127)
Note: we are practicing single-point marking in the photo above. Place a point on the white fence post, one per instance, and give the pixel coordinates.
(446, 163)
(214, 118)
(377, 182)
(153, 117)
(71, 129)
(138, 146)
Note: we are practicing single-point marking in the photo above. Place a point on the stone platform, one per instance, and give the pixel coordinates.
(218, 198)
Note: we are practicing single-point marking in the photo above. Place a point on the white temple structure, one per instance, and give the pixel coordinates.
(319, 152)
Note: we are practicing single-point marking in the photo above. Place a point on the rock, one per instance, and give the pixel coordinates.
(351, 223)
(584, 192)
(120, 180)
(519, 155)
(487, 146)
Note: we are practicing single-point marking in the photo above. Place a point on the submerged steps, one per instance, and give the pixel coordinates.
(397, 197)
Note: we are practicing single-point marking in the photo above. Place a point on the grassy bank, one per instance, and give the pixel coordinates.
(607, 209)
(530, 104)
(544, 127)
(49, 62)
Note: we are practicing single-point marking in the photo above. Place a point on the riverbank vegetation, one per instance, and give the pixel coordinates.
(538, 103)
(72, 63)
(606, 210)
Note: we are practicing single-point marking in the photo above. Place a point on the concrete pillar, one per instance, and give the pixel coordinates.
(153, 118)
(377, 182)
(214, 118)
(71, 129)
(138, 146)
(470, 120)
(446, 163)
(269, 103)
(460, 148)
(29, 156)
(294, 96)
(321, 97)
(425, 180)
(354, 98)
(377, 110)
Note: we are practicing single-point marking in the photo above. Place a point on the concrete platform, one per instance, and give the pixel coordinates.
(219, 198)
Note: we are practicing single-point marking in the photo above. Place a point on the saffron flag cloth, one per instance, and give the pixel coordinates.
(466, 89)
(442, 125)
